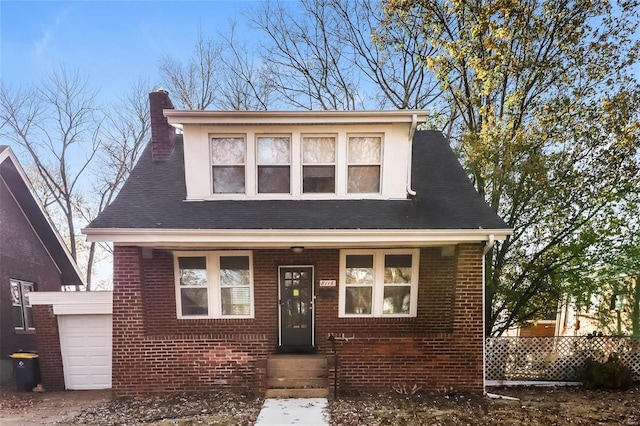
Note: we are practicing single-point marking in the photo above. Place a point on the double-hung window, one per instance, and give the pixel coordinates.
(364, 155)
(318, 164)
(214, 284)
(228, 164)
(22, 312)
(274, 164)
(379, 283)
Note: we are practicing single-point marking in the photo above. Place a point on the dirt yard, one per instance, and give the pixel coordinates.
(535, 406)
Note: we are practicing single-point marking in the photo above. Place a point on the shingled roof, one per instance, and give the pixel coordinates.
(154, 198)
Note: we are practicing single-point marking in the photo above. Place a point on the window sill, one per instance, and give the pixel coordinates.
(23, 331)
(377, 316)
(216, 318)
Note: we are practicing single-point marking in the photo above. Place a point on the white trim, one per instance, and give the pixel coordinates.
(380, 164)
(75, 302)
(25, 302)
(299, 172)
(257, 164)
(313, 303)
(7, 153)
(270, 238)
(177, 118)
(214, 293)
(529, 383)
(378, 285)
(243, 164)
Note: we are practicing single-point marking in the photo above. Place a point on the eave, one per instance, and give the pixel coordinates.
(178, 118)
(22, 191)
(278, 238)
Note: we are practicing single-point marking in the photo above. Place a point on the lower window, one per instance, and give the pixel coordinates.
(22, 312)
(379, 283)
(214, 284)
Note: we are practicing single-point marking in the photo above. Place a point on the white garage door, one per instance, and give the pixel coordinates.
(85, 342)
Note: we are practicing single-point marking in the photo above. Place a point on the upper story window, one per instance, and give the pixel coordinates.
(227, 164)
(319, 164)
(296, 165)
(274, 164)
(364, 158)
(378, 283)
(214, 285)
(22, 311)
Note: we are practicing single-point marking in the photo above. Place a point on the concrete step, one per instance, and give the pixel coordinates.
(296, 383)
(297, 362)
(285, 372)
(297, 366)
(297, 376)
(297, 393)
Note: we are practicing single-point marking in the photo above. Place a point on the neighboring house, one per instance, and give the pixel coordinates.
(32, 258)
(610, 312)
(258, 233)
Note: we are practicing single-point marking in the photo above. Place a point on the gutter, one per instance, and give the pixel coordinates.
(284, 237)
(412, 130)
(490, 243)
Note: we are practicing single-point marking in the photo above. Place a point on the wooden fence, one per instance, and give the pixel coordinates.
(553, 359)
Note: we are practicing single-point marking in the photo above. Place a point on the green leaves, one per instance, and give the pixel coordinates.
(547, 124)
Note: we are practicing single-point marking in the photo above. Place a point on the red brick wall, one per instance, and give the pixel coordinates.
(155, 352)
(440, 349)
(48, 343)
(163, 135)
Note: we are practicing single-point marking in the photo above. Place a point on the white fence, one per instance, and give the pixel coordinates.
(554, 358)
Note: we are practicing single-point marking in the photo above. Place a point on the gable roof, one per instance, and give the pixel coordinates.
(152, 200)
(18, 183)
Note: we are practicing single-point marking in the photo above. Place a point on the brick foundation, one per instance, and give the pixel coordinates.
(153, 351)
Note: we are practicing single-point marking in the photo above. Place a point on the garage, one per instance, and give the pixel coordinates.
(85, 344)
(84, 323)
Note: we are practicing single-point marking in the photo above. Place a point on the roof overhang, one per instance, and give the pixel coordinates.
(178, 118)
(278, 238)
(74, 302)
(22, 191)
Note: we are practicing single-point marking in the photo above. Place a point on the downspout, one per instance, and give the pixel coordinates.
(487, 247)
(412, 130)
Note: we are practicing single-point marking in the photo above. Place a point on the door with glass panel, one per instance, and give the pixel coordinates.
(296, 309)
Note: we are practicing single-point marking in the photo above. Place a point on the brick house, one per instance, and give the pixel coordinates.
(253, 234)
(32, 258)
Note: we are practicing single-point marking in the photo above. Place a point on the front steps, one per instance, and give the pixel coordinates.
(297, 376)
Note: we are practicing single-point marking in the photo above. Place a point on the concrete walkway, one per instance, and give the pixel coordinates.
(294, 411)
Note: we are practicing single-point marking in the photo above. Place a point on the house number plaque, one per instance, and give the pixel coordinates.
(327, 283)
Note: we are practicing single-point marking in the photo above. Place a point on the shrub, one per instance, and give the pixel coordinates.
(611, 374)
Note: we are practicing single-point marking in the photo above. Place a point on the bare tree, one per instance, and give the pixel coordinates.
(58, 124)
(395, 69)
(244, 84)
(194, 85)
(316, 54)
(311, 65)
(326, 54)
(125, 132)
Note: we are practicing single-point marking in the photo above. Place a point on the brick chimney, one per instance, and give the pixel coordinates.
(163, 135)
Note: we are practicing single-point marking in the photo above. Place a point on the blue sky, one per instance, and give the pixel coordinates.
(113, 42)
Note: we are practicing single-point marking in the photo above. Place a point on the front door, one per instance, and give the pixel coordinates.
(296, 309)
